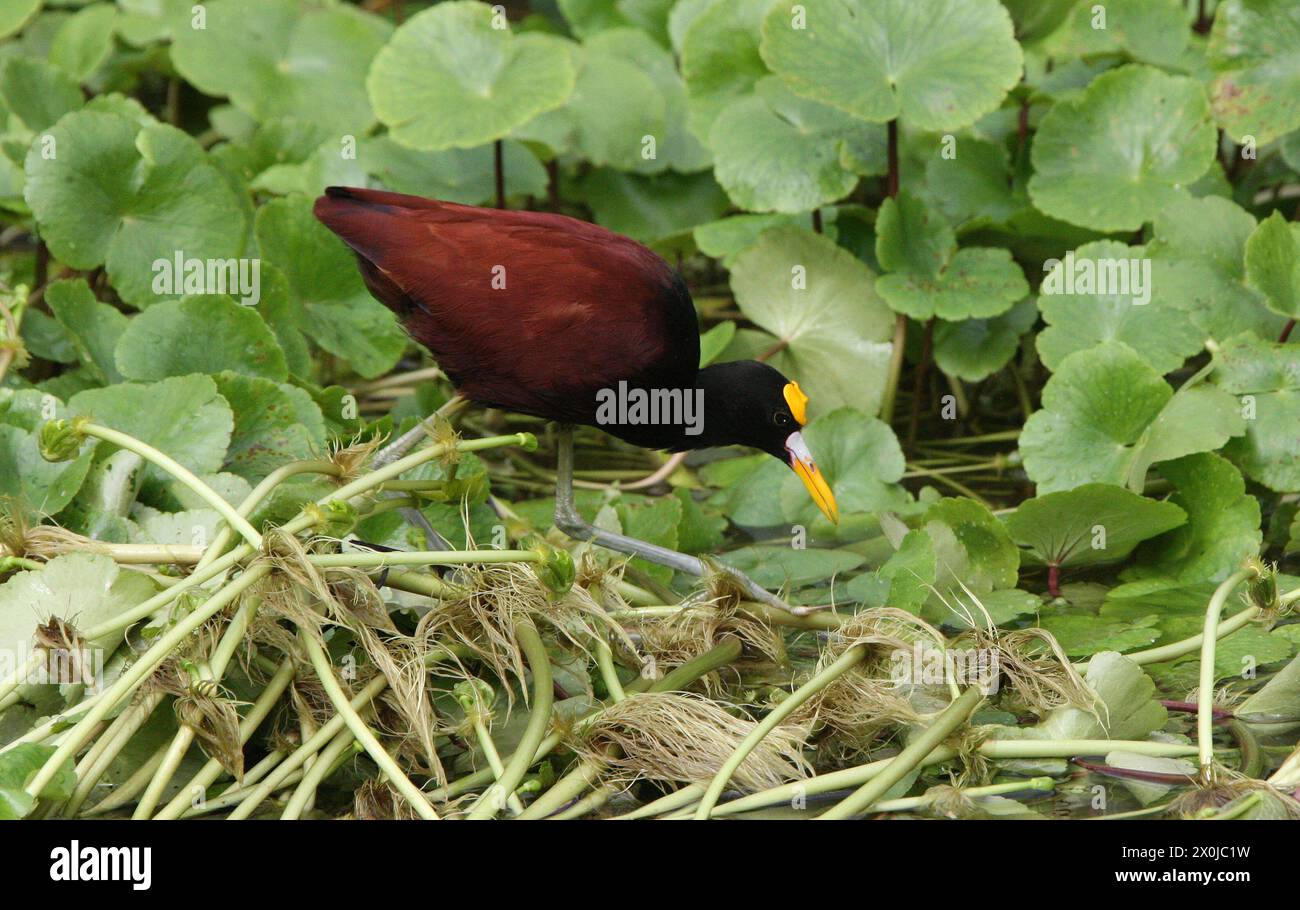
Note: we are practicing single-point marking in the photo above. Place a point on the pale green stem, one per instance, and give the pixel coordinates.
(370, 560)
(138, 671)
(842, 664)
(374, 748)
(718, 656)
(911, 757)
(1190, 645)
(325, 761)
(127, 790)
(608, 673)
(489, 748)
(184, 738)
(260, 492)
(993, 748)
(539, 719)
(251, 721)
(181, 473)
(113, 740)
(1205, 692)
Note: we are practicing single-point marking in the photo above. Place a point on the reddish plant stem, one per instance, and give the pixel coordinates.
(1190, 707)
(1054, 580)
(1286, 331)
(498, 161)
(1154, 777)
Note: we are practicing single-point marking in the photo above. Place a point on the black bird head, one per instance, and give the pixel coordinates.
(750, 403)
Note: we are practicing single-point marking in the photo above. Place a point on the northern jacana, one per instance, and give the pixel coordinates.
(551, 316)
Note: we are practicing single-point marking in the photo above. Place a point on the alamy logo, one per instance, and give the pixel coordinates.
(76, 863)
(1114, 277)
(634, 406)
(240, 278)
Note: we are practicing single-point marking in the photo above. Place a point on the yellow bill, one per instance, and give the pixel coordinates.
(814, 480)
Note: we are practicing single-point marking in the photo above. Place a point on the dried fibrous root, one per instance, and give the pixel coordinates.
(868, 701)
(312, 598)
(203, 704)
(950, 801)
(1228, 786)
(375, 800)
(697, 627)
(1035, 667)
(672, 737)
(352, 459)
(67, 649)
(496, 599)
(19, 537)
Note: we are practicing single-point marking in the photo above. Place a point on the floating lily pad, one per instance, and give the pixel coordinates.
(1091, 524)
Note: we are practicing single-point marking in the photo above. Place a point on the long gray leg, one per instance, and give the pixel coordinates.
(573, 524)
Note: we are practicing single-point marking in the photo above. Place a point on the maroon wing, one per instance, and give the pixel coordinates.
(526, 311)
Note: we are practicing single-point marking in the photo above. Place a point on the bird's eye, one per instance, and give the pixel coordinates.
(782, 419)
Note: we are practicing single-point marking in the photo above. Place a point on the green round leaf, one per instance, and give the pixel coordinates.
(1273, 264)
(975, 349)
(775, 152)
(820, 301)
(937, 64)
(93, 327)
(1265, 377)
(128, 197)
(1078, 316)
(275, 423)
(1255, 50)
(1107, 416)
(1091, 524)
(333, 306)
(1085, 175)
(973, 549)
(1197, 257)
(184, 417)
(1222, 523)
(616, 108)
(654, 208)
(720, 61)
(466, 176)
(975, 283)
(84, 41)
(37, 93)
(205, 334)
(911, 237)
(308, 61)
(14, 14)
(450, 78)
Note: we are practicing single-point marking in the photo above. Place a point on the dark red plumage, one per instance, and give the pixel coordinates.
(525, 311)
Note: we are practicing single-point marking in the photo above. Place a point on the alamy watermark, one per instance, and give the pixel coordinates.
(1104, 276)
(635, 406)
(926, 665)
(185, 276)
